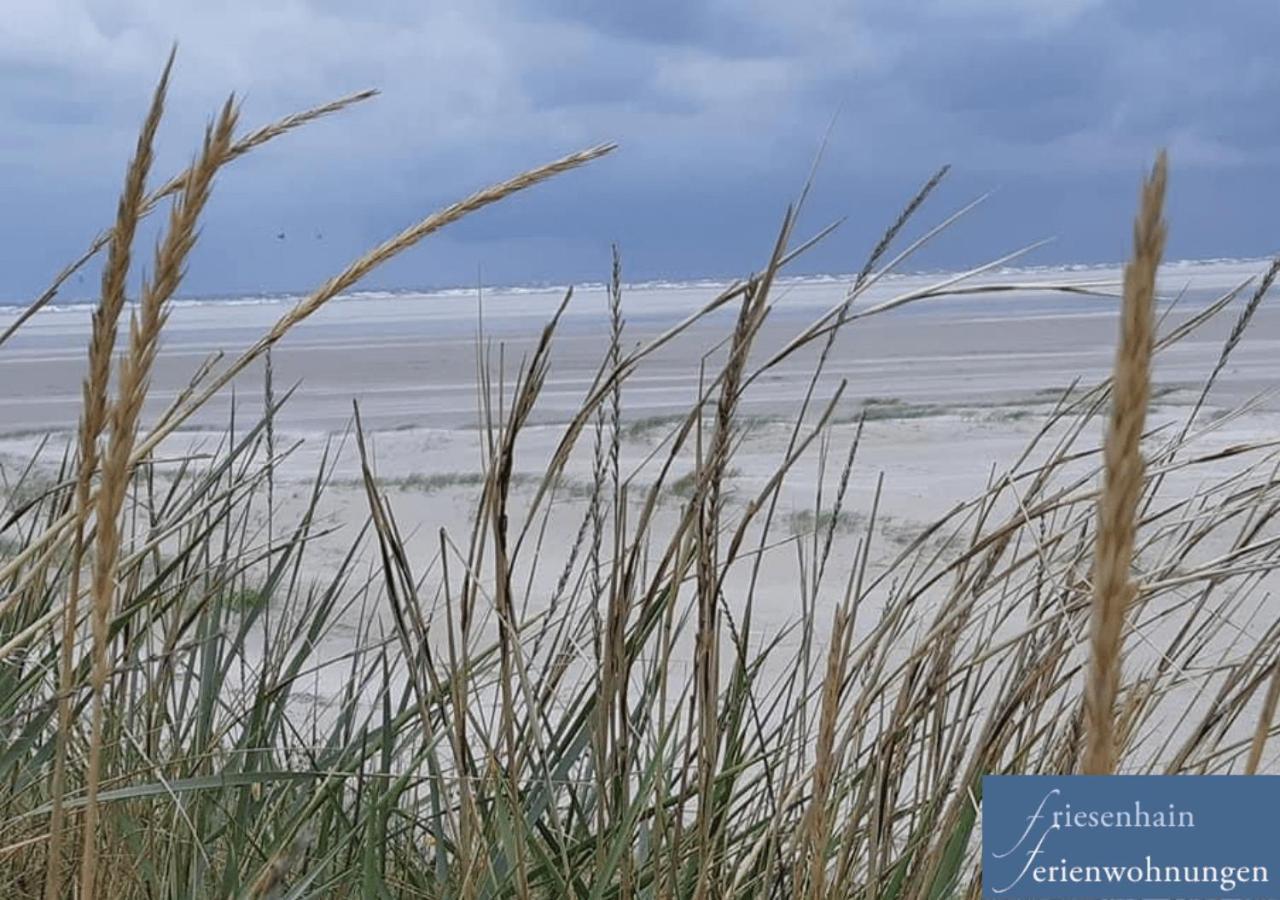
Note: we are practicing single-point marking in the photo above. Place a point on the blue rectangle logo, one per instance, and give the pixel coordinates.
(1134, 836)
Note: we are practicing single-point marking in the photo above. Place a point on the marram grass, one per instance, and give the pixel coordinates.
(508, 739)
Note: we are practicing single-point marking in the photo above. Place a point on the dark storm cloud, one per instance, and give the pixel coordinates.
(719, 107)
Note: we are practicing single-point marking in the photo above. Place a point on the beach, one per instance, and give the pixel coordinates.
(409, 358)
(704, 451)
(942, 397)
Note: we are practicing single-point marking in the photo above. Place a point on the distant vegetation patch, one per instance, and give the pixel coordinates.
(805, 522)
(643, 428)
(651, 427)
(435, 482)
(685, 486)
(879, 408)
(1012, 414)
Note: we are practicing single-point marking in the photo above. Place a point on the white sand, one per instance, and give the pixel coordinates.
(957, 387)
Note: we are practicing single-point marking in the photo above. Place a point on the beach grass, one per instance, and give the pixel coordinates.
(505, 731)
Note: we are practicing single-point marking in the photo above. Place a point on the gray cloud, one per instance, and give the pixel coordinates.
(718, 105)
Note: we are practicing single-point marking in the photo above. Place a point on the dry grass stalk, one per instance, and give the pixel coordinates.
(249, 142)
(92, 422)
(357, 270)
(707, 506)
(273, 878)
(1113, 588)
(344, 280)
(1265, 720)
(612, 713)
(826, 760)
(134, 380)
(495, 500)
(459, 662)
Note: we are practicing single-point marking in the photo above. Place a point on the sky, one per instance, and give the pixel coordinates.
(1054, 107)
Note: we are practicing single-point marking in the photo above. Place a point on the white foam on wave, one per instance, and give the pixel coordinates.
(1182, 267)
